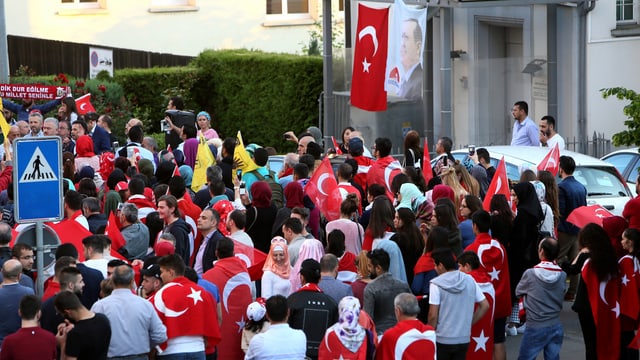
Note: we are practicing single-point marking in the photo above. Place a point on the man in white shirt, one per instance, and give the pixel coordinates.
(236, 221)
(548, 135)
(94, 253)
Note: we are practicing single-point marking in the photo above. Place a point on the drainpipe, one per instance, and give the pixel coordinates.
(327, 64)
(585, 8)
(444, 125)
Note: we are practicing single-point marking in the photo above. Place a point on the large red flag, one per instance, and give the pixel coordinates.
(336, 146)
(499, 185)
(588, 214)
(481, 345)
(629, 281)
(323, 190)
(605, 307)
(253, 258)
(83, 103)
(71, 231)
(231, 277)
(408, 339)
(551, 162)
(427, 172)
(113, 232)
(370, 59)
(186, 309)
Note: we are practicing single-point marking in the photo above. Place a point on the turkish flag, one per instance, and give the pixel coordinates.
(499, 185)
(382, 172)
(253, 258)
(336, 146)
(494, 262)
(481, 345)
(83, 104)
(323, 190)
(370, 59)
(71, 231)
(629, 281)
(332, 348)
(588, 214)
(551, 162)
(113, 232)
(427, 172)
(605, 307)
(232, 279)
(186, 309)
(409, 339)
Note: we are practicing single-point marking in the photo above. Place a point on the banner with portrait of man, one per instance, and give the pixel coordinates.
(406, 45)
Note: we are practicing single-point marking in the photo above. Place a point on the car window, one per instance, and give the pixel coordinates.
(513, 172)
(621, 161)
(275, 164)
(600, 181)
(633, 171)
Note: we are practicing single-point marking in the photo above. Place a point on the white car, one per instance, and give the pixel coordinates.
(627, 162)
(603, 182)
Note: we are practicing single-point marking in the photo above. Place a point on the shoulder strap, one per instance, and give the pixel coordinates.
(255, 217)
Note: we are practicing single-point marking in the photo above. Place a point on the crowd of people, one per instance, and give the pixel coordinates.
(249, 266)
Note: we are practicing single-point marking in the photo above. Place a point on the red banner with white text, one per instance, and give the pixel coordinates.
(32, 91)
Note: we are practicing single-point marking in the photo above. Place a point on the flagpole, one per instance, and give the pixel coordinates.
(4, 46)
(327, 65)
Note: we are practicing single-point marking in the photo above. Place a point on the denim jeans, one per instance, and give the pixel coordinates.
(535, 340)
(184, 356)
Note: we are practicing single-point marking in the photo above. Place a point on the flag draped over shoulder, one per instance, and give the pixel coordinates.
(113, 232)
(83, 103)
(204, 159)
(369, 60)
(551, 162)
(253, 258)
(242, 158)
(499, 185)
(481, 345)
(323, 190)
(71, 231)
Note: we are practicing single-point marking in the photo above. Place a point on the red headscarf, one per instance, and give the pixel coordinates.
(261, 194)
(294, 195)
(441, 191)
(84, 146)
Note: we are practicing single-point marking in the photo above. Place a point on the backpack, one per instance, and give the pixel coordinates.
(277, 195)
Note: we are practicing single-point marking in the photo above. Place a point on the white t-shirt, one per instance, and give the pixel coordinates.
(551, 142)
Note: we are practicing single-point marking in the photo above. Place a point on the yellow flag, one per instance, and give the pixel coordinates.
(4, 126)
(242, 158)
(204, 159)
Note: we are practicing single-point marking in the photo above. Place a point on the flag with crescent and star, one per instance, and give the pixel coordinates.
(323, 190)
(83, 103)
(404, 70)
(186, 309)
(605, 308)
(630, 279)
(369, 59)
(408, 339)
(551, 162)
(427, 171)
(499, 185)
(232, 279)
(481, 345)
(584, 215)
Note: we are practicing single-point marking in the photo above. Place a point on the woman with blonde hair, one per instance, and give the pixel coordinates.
(450, 179)
(363, 278)
(467, 181)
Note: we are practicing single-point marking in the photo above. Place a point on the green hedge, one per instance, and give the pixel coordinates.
(261, 94)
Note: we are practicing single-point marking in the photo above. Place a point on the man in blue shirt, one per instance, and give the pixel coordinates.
(525, 131)
(22, 111)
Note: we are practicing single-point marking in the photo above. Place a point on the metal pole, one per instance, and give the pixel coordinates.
(327, 63)
(444, 127)
(39, 258)
(4, 46)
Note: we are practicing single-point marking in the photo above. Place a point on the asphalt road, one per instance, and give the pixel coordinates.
(572, 345)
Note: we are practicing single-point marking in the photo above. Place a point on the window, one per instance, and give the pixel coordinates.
(625, 11)
(172, 5)
(80, 7)
(287, 7)
(290, 12)
(81, 4)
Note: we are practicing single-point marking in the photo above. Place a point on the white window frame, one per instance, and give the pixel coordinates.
(172, 6)
(286, 19)
(634, 16)
(80, 8)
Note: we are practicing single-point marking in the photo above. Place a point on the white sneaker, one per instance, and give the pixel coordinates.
(521, 329)
(511, 330)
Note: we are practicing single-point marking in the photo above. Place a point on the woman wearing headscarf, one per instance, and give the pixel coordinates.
(410, 197)
(547, 222)
(187, 174)
(347, 339)
(85, 155)
(310, 249)
(276, 270)
(260, 215)
(204, 125)
(293, 195)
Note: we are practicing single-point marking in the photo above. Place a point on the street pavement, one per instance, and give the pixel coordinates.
(572, 345)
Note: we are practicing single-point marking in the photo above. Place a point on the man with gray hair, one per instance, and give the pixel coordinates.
(285, 176)
(151, 144)
(96, 219)
(50, 126)
(135, 325)
(134, 232)
(423, 337)
(11, 293)
(35, 124)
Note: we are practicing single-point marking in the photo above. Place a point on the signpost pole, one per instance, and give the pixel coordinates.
(39, 258)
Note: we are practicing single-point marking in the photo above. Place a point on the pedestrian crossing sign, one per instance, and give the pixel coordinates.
(37, 179)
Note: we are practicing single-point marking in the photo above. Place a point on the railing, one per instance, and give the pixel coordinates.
(598, 146)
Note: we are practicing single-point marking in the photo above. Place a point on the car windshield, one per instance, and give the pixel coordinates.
(600, 181)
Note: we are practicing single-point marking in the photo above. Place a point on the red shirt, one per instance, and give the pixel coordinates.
(20, 345)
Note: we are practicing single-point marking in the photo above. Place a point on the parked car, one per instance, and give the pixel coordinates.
(603, 182)
(627, 162)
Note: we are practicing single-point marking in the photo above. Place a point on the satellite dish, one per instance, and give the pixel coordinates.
(50, 240)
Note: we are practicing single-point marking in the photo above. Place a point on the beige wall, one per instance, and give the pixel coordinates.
(216, 24)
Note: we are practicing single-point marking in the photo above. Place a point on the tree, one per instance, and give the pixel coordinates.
(631, 136)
